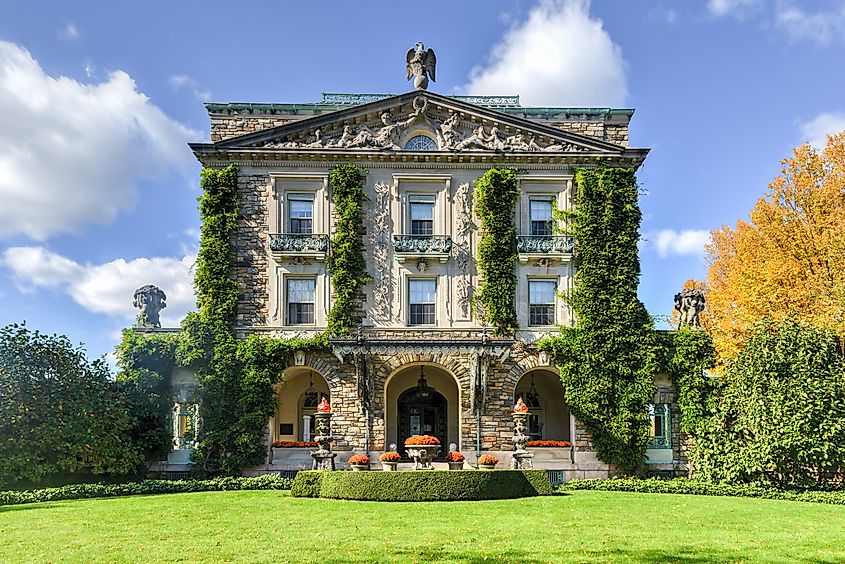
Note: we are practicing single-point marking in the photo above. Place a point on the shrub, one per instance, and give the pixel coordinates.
(390, 457)
(433, 485)
(488, 460)
(147, 487)
(359, 459)
(694, 487)
(455, 456)
(422, 440)
(552, 444)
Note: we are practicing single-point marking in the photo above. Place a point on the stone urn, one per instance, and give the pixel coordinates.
(422, 455)
(486, 466)
(456, 465)
(323, 456)
(360, 467)
(359, 462)
(389, 466)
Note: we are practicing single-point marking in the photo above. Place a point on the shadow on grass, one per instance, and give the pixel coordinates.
(28, 506)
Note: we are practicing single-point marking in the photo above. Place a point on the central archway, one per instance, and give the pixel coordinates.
(422, 399)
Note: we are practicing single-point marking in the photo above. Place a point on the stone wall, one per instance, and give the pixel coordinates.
(225, 126)
(252, 253)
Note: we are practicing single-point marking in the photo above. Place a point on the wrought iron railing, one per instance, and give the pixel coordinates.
(544, 244)
(299, 242)
(441, 244)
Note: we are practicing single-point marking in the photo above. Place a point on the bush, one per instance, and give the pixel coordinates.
(693, 487)
(147, 487)
(433, 485)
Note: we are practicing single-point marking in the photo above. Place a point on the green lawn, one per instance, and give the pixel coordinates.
(270, 526)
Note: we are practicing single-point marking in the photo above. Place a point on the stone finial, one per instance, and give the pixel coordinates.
(689, 303)
(149, 300)
(420, 65)
(324, 406)
(520, 406)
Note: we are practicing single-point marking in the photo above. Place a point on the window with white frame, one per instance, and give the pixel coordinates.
(301, 213)
(300, 300)
(421, 301)
(540, 212)
(541, 302)
(660, 435)
(421, 214)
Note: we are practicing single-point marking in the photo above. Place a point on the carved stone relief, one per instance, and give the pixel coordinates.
(380, 242)
(461, 247)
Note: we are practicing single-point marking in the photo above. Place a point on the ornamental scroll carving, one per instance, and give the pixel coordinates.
(479, 366)
(380, 241)
(462, 247)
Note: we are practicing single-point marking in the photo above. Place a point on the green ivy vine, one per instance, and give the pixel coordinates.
(495, 196)
(607, 361)
(690, 353)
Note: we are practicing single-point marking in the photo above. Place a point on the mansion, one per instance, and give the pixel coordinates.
(422, 360)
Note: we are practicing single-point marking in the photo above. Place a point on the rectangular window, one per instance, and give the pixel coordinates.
(422, 215)
(300, 300)
(541, 302)
(660, 433)
(540, 210)
(301, 212)
(421, 300)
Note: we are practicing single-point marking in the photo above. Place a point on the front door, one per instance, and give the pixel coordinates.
(422, 414)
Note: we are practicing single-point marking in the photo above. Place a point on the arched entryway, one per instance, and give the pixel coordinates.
(298, 395)
(548, 413)
(422, 399)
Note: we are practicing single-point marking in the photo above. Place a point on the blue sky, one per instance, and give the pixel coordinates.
(97, 101)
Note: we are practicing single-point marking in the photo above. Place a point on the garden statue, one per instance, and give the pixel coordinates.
(689, 303)
(420, 64)
(323, 457)
(149, 300)
(521, 457)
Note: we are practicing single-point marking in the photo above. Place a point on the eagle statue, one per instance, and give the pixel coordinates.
(420, 64)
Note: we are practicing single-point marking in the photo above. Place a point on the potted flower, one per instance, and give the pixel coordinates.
(422, 448)
(359, 462)
(455, 460)
(389, 460)
(549, 444)
(487, 462)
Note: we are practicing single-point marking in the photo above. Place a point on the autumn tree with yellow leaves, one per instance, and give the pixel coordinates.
(789, 258)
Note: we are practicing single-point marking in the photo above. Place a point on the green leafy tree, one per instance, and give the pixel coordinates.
(607, 361)
(780, 418)
(59, 412)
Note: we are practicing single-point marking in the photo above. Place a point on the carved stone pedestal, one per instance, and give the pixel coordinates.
(324, 457)
(522, 459)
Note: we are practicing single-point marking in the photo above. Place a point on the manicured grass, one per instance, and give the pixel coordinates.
(270, 526)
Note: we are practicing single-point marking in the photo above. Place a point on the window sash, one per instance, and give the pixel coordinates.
(300, 314)
(422, 295)
(301, 214)
(541, 292)
(540, 214)
(422, 314)
(540, 315)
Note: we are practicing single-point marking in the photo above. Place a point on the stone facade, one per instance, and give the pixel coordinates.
(427, 150)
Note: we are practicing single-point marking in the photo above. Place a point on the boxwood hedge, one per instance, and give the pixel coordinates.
(147, 487)
(693, 487)
(432, 485)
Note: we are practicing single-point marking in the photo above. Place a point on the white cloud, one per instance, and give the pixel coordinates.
(689, 242)
(816, 130)
(70, 32)
(106, 288)
(736, 8)
(559, 55)
(820, 26)
(179, 81)
(73, 153)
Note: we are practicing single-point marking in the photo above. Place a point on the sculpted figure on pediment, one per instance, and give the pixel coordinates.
(448, 134)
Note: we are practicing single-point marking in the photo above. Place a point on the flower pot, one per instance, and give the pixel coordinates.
(456, 465)
(486, 466)
(389, 466)
(360, 467)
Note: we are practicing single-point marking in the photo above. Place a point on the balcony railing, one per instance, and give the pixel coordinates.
(544, 244)
(435, 246)
(314, 245)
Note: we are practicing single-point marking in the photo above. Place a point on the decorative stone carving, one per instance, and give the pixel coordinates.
(463, 229)
(365, 378)
(420, 65)
(149, 300)
(323, 457)
(479, 366)
(299, 243)
(521, 458)
(441, 244)
(689, 303)
(544, 244)
(380, 242)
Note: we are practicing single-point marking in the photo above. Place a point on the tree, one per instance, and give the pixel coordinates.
(780, 415)
(789, 258)
(59, 412)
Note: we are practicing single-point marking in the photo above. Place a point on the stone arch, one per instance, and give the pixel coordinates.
(287, 422)
(552, 421)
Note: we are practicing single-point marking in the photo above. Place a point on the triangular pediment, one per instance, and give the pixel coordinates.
(420, 121)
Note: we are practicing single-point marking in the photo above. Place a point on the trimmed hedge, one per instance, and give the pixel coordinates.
(147, 487)
(432, 485)
(692, 487)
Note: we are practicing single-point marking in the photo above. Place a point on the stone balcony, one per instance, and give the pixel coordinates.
(545, 247)
(416, 247)
(299, 245)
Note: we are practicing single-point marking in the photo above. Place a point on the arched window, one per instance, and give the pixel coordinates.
(421, 143)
